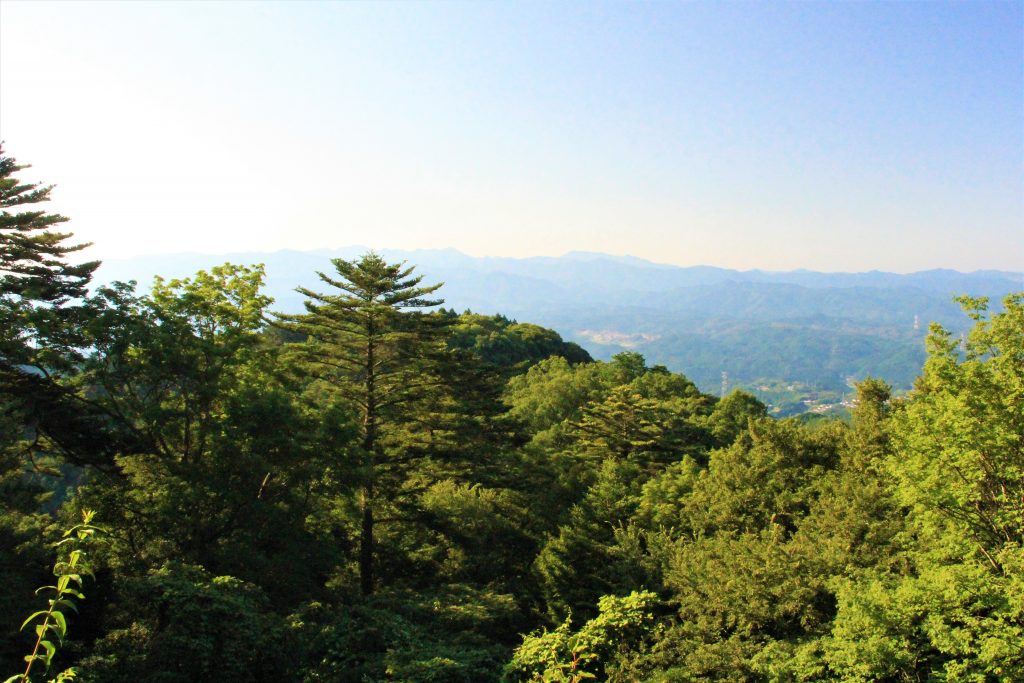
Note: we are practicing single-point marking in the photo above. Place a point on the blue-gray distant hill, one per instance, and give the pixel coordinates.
(815, 328)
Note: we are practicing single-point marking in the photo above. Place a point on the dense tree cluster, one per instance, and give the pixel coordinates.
(382, 490)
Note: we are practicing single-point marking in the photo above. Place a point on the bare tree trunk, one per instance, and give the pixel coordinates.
(366, 544)
(370, 447)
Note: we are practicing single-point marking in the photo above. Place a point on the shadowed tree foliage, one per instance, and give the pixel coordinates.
(185, 371)
(510, 345)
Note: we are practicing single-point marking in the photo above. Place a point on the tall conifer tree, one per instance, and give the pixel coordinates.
(39, 324)
(36, 281)
(42, 319)
(373, 344)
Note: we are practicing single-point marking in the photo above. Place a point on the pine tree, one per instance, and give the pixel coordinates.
(40, 324)
(379, 352)
(31, 253)
(36, 281)
(42, 320)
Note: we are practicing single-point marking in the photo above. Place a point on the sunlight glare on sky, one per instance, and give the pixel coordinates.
(838, 136)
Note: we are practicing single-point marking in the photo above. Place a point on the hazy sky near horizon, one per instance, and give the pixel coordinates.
(830, 136)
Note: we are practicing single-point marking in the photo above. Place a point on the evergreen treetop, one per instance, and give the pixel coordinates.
(32, 254)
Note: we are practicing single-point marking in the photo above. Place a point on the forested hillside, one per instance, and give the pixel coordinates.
(375, 487)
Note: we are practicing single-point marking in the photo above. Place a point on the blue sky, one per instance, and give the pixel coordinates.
(832, 136)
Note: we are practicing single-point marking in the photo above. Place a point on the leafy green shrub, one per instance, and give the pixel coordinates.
(51, 623)
(561, 656)
(184, 625)
(449, 636)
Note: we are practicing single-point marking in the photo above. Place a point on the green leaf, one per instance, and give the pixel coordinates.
(51, 650)
(65, 603)
(62, 583)
(30, 618)
(62, 624)
(66, 675)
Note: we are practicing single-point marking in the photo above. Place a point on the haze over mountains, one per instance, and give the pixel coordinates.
(820, 329)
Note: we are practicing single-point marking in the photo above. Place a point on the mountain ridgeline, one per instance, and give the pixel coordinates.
(818, 329)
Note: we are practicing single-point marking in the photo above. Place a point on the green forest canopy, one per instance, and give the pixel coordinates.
(383, 490)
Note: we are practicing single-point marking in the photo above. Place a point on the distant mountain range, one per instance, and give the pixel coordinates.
(816, 328)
